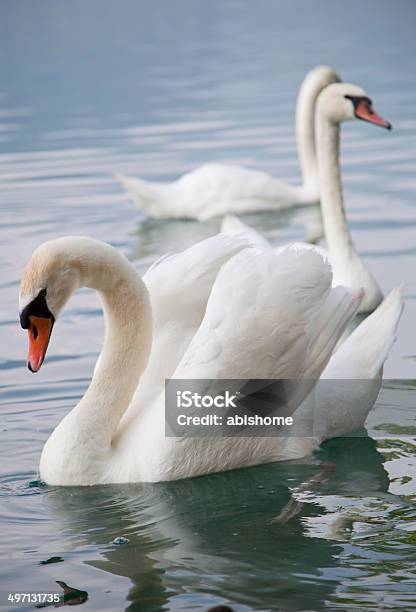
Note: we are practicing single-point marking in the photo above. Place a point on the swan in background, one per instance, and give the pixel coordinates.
(215, 189)
(267, 316)
(338, 102)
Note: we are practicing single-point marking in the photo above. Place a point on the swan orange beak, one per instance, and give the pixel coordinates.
(39, 330)
(364, 111)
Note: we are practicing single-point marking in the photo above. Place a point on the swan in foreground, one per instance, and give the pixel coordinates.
(267, 316)
(215, 189)
(338, 102)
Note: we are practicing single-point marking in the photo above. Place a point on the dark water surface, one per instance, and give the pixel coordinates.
(154, 89)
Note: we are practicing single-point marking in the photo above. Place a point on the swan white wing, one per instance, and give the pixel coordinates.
(227, 188)
(261, 317)
(231, 224)
(180, 284)
(304, 246)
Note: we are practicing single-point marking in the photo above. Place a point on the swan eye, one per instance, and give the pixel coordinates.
(355, 100)
(363, 100)
(36, 308)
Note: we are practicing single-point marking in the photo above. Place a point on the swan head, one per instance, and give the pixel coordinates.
(48, 281)
(343, 101)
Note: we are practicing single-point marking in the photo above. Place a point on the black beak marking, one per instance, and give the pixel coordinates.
(36, 308)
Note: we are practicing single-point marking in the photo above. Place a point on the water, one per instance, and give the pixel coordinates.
(154, 89)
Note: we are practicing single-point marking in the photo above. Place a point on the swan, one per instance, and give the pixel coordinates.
(267, 316)
(215, 189)
(336, 103)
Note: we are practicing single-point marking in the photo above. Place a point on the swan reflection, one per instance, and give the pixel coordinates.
(217, 535)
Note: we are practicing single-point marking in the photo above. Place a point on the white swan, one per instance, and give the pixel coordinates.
(267, 316)
(338, 102)
(215, 189)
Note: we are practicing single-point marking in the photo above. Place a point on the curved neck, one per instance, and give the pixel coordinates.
(305, 137)
(126, 348)
(337, 232)
(315, 81)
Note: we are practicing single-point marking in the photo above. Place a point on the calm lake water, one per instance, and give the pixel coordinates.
(155, 89)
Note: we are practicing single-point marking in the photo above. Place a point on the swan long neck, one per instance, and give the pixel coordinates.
(126, 348)
(311, 87)
(305, 137)
(338, 236)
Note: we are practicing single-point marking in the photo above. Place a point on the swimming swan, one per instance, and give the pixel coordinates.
(215, 189)
(267, 316)
(338, 102)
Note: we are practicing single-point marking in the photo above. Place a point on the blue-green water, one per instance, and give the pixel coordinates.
(154, 89)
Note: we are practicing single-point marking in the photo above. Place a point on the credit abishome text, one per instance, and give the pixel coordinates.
(237, 420)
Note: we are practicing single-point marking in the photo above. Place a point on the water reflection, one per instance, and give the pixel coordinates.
(202, 533)
(156, 236)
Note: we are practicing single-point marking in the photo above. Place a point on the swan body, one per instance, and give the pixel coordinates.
(216, 189)
(213, 190)
(267, 316)
(334, 106)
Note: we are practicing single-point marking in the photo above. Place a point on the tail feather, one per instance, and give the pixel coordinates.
(339, 407)
(143, 193)
(367, 348)
(341, 305)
